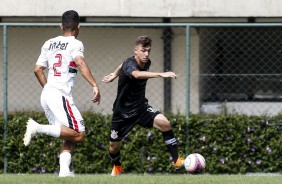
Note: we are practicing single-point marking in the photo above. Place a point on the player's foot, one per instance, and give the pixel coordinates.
(68, 174)
(179, 163)
(117, 169)
(31, 129)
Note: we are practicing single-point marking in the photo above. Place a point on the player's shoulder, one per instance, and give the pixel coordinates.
(77, 41)
(130, 60)
(54, 39)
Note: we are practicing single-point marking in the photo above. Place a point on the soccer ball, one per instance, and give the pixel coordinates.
(195, 163)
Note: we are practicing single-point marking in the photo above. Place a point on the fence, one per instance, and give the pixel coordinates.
(106, 47)
(221, 67)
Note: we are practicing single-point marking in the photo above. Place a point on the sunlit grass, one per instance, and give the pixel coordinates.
(139, 179)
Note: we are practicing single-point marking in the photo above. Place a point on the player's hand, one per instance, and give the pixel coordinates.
(97, 97)
(109, 78)
(168, 75)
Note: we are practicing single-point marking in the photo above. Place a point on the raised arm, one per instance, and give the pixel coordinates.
(112, 76)
(86, 73)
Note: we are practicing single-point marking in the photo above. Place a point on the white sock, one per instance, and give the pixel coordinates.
(52, 130)
(65, 160)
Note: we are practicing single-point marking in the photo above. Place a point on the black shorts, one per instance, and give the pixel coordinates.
(120, 126)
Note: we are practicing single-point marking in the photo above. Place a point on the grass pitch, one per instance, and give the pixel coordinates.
(140, 179)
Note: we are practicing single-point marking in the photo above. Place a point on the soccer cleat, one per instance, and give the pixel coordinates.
(31, 129)
(68, 174)
(117, 169)
(179, 163)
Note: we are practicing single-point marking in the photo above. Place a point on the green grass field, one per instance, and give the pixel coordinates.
(140, 179)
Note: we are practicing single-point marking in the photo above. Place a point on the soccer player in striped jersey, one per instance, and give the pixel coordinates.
(62, 56)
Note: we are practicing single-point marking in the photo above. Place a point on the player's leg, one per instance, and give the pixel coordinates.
(119, 128)
(71, 135)
(32, 128)
(115, 145)
(52, 130)
(153, 118)
(65, 159)
(114, 154)
(162, 124)
(65, 120)
(65, 113)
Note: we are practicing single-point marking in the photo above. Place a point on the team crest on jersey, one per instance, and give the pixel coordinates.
(82, 122)
(114, 134)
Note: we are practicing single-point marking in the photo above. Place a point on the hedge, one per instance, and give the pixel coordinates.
(230, 144)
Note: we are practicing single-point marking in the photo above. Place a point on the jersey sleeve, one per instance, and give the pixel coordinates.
(129, 66)
(42, 59)
(78, 50)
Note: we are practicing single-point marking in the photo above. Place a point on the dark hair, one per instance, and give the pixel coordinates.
(70, 20)
(144, 41)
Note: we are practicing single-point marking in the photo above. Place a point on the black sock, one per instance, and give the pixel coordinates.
(115, 158)
(171, 144)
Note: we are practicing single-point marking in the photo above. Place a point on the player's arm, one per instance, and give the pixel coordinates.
(39, 73)
(112, 76)
(86, 73)
(146, 75)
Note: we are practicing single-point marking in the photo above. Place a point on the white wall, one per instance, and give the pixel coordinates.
(144, 8)
(105, 49)
(248, 108)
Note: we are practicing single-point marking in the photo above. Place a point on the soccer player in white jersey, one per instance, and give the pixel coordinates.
(63, 57)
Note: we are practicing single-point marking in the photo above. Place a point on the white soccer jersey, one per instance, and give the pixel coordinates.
(57, 54)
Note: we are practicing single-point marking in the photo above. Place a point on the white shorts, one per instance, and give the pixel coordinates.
(61, 110)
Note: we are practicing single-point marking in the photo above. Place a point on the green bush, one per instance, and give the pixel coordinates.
(229, 143)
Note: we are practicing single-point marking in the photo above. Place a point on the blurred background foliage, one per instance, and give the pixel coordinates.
(230, 144)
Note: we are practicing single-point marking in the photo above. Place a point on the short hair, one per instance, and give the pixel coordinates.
(70, 20)
(144, 41)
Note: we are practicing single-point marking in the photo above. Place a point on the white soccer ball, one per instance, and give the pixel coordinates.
(195, 163)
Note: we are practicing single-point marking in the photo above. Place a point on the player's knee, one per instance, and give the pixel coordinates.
(114, 147)
(162, 123)
(80, 137)
(164, 126)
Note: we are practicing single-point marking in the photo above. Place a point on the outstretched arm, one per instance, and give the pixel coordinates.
(112, 76)
(146, 75)
(86, 73)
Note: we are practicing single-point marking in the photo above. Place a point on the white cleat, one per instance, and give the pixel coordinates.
(68, 174)
(31, 129)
